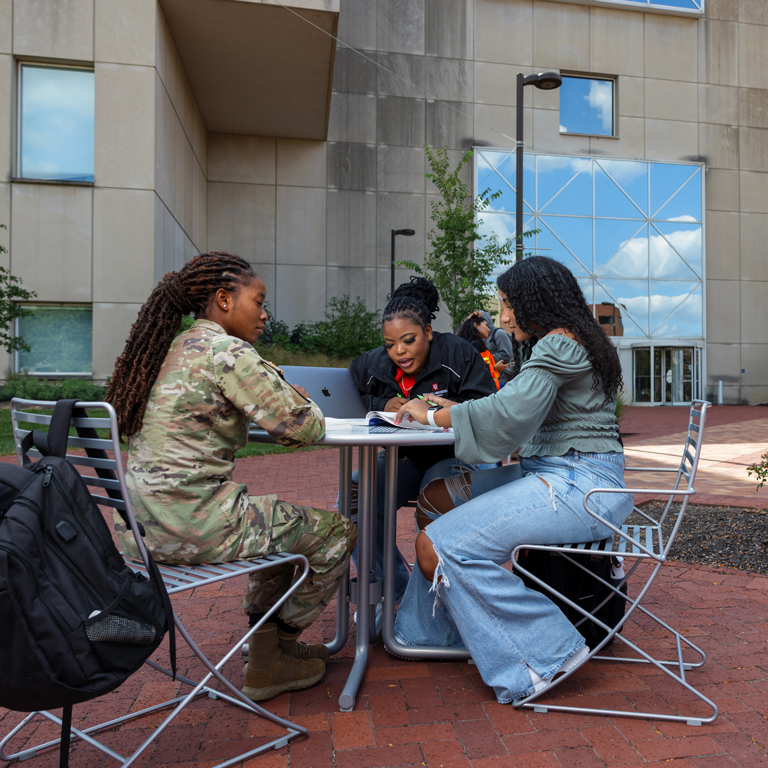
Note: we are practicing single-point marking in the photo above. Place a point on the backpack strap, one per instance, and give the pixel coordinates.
(103, 473)
(53, 442)
(66, 731)
(154, 571)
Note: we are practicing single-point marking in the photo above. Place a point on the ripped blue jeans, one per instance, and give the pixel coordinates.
(482, 606)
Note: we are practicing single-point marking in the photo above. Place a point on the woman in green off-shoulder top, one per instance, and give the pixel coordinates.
(558, 410)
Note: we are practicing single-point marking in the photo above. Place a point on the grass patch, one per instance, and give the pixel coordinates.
(281, 356)
(8, 447)
(265, 449)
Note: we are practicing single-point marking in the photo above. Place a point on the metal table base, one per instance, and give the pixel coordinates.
(390, 543)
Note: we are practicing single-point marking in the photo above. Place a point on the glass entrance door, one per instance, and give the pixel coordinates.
(673, 379)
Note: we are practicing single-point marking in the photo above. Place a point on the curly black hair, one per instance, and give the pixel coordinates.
(468, 330)
(544, 295)
(417, 300)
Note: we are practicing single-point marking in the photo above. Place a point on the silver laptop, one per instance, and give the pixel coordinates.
(331, 388)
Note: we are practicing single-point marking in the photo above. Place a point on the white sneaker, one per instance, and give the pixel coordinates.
(379, 617)
(574, 661)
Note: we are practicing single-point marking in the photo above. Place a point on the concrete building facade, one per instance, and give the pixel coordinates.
(293, 134)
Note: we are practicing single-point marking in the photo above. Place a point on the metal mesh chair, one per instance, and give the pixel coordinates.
(650, 543)
(177, 579)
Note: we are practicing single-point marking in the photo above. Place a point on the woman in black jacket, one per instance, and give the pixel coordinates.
(414, 360)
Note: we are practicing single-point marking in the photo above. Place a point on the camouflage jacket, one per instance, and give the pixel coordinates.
(209, 388)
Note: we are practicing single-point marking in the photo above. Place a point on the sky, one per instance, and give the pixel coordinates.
(57, 112)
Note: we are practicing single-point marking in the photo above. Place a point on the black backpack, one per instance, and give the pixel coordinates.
(77, 621)
(577, 586)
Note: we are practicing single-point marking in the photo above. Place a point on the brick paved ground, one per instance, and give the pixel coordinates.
(442, 715)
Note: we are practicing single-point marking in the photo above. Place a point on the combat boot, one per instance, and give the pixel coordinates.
(290, 645)
(270, 672)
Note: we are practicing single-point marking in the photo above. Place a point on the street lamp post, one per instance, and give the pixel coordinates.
(395, 233)
(546, 81)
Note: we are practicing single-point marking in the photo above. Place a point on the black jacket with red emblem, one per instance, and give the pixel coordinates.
(454, 370)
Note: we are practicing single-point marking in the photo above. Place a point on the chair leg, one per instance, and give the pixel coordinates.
(198, 689)
(529, 703)
(613, 633)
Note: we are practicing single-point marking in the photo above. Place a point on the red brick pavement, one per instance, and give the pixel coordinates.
(641, 423)
(442, 715)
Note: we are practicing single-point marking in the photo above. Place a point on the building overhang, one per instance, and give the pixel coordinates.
(258, 68)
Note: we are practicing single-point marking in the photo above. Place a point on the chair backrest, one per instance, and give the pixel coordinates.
(32, 414)
(686, 473)
(693, 441)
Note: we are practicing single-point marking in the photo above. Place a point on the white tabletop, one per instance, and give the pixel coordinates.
(359, 433)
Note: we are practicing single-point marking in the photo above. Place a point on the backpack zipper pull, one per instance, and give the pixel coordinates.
(47, 479)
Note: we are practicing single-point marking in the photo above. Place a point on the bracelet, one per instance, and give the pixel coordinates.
(431, 416)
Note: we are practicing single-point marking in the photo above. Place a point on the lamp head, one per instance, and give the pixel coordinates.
(406, 232)
(545, 81)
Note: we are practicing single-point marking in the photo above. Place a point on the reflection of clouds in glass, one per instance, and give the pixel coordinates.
(632, 298)
(624, 172)
(600, 98)
(665, 262)
(631, 259)
(686, 321)
(563, 129)
(550, 163)
(667, 251)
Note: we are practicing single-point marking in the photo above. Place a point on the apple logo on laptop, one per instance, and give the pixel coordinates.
(326, 392)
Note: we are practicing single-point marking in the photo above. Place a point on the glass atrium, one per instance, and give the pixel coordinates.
(632, 234)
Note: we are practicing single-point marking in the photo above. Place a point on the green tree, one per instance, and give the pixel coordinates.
(11, 293)
(459, 267)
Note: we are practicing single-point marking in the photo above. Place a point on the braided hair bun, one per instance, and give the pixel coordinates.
(417, 300)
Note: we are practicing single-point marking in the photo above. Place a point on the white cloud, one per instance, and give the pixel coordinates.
(686, 321)
(600, 98)
(631, 259)
(684, 218)
(550, 163)
(624, 172)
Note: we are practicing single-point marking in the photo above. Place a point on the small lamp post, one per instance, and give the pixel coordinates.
(546, 81)
(395, 233)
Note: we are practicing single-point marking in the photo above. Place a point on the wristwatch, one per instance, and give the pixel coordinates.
(431, 415)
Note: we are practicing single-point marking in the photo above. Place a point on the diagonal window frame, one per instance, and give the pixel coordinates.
(644, 219)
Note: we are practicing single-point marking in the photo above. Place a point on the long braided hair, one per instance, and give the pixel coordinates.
(417, 300)
(544, 293)
(178, 293)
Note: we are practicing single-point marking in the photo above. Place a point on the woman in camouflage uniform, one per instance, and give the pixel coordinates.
(185, 402)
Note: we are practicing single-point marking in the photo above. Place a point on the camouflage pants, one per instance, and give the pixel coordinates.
(325, 538)
(261, 525)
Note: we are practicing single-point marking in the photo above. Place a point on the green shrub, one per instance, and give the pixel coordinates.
(760, 471)
(350, 329)
(33, 388)
(275, 331)
(186, 323)
(347, 331)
